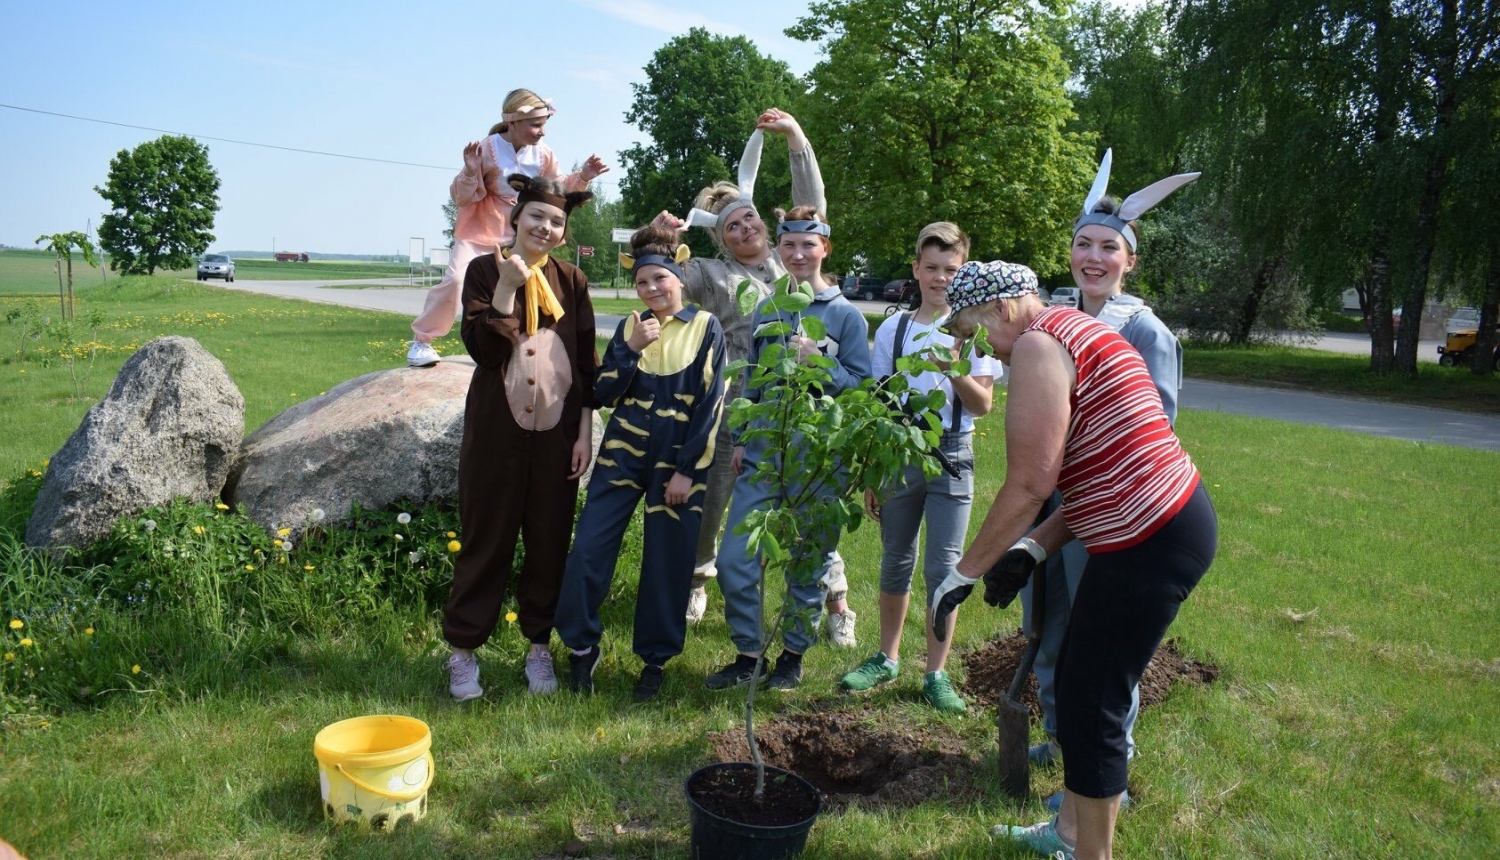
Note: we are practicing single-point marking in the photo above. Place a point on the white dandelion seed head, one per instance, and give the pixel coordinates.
(399, 538)
(403, 518)
(414, 557)
(318, 514)
(150, 525)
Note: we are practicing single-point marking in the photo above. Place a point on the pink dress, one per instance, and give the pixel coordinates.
(483, 225)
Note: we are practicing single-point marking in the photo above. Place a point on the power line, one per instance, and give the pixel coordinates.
(226, 139)
(246, 142)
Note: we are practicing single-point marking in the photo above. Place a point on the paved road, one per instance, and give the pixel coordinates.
(1361, 416)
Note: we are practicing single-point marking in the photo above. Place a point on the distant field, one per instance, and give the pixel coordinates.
(33, 272)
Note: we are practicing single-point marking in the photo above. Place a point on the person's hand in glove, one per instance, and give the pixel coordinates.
(1006, 579)
(955, 589)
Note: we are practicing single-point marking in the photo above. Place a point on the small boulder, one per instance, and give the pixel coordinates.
(170, 426)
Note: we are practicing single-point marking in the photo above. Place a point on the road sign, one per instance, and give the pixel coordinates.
(620, 235)
(585, 250)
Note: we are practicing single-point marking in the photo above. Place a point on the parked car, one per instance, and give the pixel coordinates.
(1458, 349)
(1463, 319)
(1064, 296)
(901, 291)
(216, 266)
(863, 287)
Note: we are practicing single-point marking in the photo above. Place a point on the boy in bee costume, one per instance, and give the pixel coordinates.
(663, 375)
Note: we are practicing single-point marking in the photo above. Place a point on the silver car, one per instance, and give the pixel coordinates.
(1066, 296)
(216, 266)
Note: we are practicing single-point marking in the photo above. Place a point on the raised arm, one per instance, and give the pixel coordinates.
(807, 180)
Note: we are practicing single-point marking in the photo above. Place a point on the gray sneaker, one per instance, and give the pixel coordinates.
(463, 678)
(697, 604)
(539, 674)
(841, 629)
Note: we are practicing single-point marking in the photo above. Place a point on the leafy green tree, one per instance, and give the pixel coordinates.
(163, 196)
(590, 226)
(702, 96)
(450, 216)
(927, 110)
(62, 245)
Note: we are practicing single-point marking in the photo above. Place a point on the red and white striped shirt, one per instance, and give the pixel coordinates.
(1124, 475)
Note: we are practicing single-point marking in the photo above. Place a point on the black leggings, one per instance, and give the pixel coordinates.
(1125, 602)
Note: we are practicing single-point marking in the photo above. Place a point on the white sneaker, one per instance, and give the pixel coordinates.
(421, 355)
(841, 629)
(539, 674)
(463, 678)
(697, 605)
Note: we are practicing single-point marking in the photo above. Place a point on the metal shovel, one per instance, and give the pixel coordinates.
(1014, 718)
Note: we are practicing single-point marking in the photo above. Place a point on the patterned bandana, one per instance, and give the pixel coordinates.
(978, 283)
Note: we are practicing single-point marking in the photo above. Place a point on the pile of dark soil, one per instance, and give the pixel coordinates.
(989, 668)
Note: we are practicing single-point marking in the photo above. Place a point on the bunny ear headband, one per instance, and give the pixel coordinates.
(749, 167)
(672, 264)
(1133, 206)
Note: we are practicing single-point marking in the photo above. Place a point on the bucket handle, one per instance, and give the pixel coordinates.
(398, 796)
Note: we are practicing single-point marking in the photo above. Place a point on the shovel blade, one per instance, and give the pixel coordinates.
(1015, 739)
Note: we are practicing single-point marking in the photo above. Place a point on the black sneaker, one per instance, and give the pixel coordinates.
(736, 674)
(581, 670)
(788, 672)
(649, 684)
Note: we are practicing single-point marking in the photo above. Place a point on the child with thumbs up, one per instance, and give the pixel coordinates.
(663, 375)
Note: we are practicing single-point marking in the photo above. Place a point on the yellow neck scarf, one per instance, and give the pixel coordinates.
(539, 295)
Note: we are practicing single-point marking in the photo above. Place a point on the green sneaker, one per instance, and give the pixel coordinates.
(938, 691)
(870, 673)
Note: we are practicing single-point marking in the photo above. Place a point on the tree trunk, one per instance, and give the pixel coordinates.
(1382, 357)
(1250, 308)
(1483, 362)
(62, 297)
(1378, 312)
(72, 312)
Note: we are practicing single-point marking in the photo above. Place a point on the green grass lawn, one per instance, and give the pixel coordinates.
(1352, 608)
(24, 272)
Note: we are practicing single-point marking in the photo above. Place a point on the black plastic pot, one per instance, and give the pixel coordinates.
(715, 837)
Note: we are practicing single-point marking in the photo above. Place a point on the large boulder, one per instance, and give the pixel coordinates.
(387, 435)
(170, 426)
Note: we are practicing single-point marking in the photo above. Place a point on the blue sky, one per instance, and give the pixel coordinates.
(398, 81)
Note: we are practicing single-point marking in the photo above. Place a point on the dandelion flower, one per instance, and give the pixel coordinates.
(249, 567)
(198, 530)
(403, 518)
(88, 631)
(308, 567)
(454, 546)
(221, 506)
(26, 643)
(414, 557)
(453, 534)
(10, 656)
(283, 532)
(399, 538)
(511, 617)
(150, 525)
(136, 669)
(17, 624)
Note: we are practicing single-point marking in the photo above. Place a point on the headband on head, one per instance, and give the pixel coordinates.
(672, 264)
(527, 191)
(978, 283)
(749, 169)
(1132, 207)
(529, 111)
(819, 228)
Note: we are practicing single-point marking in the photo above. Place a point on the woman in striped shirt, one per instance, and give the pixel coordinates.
(1084, 417)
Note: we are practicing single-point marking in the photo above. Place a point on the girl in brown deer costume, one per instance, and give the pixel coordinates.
(529, 326)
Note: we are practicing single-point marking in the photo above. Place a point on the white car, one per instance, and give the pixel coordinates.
(1463, 319)
(216, 266)
(1067, 296)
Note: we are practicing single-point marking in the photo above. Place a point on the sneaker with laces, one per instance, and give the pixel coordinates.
(649, 684)
(697, 604)
(1044, 754)
(939, 692)
(841, 629)
(736, 674)
(788, 672)
(539, 674)
(421, 355)
(463, 678)
(869, 674)
(1041, 838)
(581, 670)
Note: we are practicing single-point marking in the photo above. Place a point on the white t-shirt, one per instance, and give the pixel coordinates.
(921, 337)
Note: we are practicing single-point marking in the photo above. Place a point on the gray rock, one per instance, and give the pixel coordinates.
(389, 435)
(170, 426)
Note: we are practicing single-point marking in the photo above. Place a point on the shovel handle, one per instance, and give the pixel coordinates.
(1034, 640)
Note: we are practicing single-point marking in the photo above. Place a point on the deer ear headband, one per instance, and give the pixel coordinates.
(1132, 207)
(672, 264)
(749, 168)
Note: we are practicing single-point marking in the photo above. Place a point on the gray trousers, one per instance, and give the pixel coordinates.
(944, 502)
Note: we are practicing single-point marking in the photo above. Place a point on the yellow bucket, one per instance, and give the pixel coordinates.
(375, 771)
